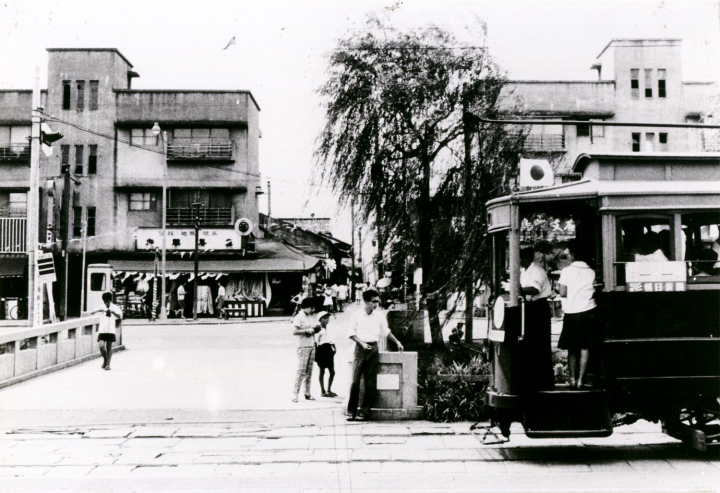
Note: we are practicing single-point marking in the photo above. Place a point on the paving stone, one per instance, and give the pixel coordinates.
(568, 467)
(40, 446)
(68, 471)
(199, 432)
(431, 431)
(206, 445)
(154, 472)
(172, 458)
(321, 468)
(110, 471)
(195, 470)
(283, 443)
(364, 454)
(277, 456)
(213, 459)
(32, 460)
(365, 467)
(300, 431)
(611, 466)
(419, 467)
(109, 433)
(244, 470)
(280, 469)
(379, 430)
(520, 466)
(382, 440)
(87, 460)
(154, 432)
(134, 443)
(138, 458)
(341, 442)
(691, 465)
(650, 465)
(330, 455)
(23, 471)
(80, 449)
(461, 441)
(409, 455)
(341, 429)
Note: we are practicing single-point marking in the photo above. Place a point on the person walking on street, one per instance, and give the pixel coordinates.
(328, 299)
(220, 301)
(111, 314)
(537, 344)
(325, 355)
(367, 326)
(577, 287)
(305, 329)
(181, 300)
(342, 296)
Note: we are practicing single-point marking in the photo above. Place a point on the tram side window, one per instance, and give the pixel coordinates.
(501, 261)
(642, 239)
(701, 246)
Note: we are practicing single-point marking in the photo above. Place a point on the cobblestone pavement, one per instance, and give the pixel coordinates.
(340, 456)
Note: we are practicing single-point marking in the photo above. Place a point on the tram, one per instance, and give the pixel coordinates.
(658, 351)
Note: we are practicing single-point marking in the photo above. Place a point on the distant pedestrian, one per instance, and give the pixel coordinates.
(296, 300)
(366, 328)
(111, 315)
(325, 355)
(305, 329)
(220, 301)
(342, 291)
(358, 294)
(328, 299)
(181, 300)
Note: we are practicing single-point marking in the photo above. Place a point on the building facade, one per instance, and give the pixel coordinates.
(104, 181)
(638, 80)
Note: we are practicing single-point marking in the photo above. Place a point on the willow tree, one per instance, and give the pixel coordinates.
(396, 106)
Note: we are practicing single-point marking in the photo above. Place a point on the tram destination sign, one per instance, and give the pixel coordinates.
(655, 276)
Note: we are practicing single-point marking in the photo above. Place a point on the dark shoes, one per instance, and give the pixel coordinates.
(308, 397)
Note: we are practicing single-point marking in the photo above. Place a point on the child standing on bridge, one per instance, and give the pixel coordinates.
(111, 315)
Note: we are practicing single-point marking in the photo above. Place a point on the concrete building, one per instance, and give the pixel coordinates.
(638, 80)
(106, 177)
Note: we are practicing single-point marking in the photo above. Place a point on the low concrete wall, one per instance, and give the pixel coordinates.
(29, 353)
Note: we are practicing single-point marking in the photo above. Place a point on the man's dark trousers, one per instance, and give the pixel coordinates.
(365, 364)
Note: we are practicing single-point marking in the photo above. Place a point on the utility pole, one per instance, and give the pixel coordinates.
(82, 271)
(269, 206)
(352, 249)
(360, 245)
(467, 194)
(33, 213)
(163, 293)
(65, 232)
(196, 208)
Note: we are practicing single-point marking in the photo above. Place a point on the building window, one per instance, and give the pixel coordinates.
(649, 142)
(583, 130)
(663, 141)
(143, 201)
(91, 221)
(648, 82)
(94, 86)
(65, 158)
(79, 151)
(143, 137)
(635, 82)
(17, 202)
(92, 159)
(66, 95)
(661, 83)
(636, 142)
(77, 222)
(80, 103)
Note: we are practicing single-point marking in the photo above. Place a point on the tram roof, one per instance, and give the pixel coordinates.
(591, 188)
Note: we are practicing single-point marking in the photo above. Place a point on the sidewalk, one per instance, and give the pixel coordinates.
(334, 455)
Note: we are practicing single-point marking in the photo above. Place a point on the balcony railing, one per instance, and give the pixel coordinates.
(545, 142)
(15, 152)
(13, 231)
(200, 152)
(208, 216)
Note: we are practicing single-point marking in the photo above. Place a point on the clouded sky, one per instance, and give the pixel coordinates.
(281, 45)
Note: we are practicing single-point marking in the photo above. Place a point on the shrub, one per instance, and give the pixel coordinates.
(458, 400)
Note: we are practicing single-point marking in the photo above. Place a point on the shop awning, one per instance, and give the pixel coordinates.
(271, 256)
(13, 265)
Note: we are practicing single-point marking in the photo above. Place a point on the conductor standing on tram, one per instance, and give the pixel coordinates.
(535, 288)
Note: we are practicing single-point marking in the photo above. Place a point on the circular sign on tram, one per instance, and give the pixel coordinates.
(243, 226)
(499, 313)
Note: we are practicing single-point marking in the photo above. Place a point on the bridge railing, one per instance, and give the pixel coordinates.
(32, 352)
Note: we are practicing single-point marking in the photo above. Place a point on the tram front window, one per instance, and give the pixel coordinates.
(701, 247)
(643, 239)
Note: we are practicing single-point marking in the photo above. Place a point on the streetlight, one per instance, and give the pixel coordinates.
(156, 131)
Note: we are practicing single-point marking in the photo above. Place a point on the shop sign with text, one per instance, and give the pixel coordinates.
(184, 239)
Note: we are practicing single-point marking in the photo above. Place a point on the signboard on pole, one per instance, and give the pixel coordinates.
(46, 268)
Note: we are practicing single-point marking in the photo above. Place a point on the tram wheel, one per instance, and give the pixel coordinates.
(699, 428)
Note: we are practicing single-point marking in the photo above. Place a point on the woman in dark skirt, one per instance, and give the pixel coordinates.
(579, 328)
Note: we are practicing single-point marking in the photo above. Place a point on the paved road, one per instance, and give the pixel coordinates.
(200, 408)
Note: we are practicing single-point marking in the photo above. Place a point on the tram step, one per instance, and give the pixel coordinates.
(563, 412)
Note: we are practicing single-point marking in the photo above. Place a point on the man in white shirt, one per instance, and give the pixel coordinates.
(111, 313)
(367, 326)
(220, 301)
(537, 344)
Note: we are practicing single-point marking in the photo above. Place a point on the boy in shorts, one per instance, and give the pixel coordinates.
(111, 314)
(325, 355)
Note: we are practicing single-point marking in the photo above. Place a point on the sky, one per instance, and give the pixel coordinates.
(281, 49)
